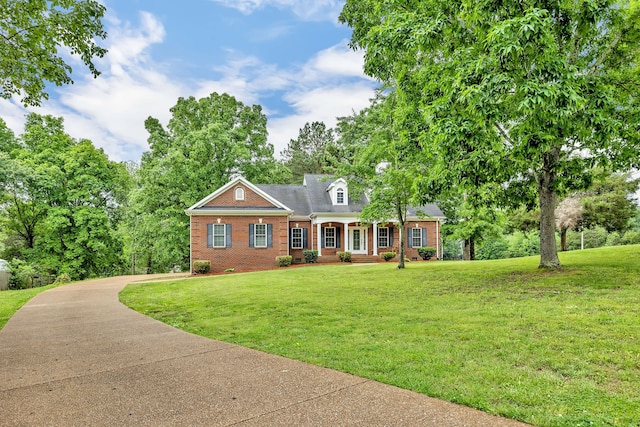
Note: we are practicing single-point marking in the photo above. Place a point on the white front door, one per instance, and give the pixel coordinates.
(358, 241)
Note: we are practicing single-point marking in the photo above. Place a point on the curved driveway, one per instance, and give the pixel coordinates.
(76, 356)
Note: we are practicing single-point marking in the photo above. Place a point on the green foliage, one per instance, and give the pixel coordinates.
(548, 348)
(310, 256)
(229, 270)
(33, 33)
(284, 260)
(201, 266)
(388, 256)
(62, 279)
(344, 256)
(22, 274)
(310, 153)
(426, 252)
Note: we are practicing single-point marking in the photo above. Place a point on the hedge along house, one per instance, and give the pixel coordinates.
(245, 226)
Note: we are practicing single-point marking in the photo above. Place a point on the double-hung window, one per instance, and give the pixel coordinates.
(296, 238)
(416, 237)
(330, 237)
(383, 237)
(260, 235)
(219, 240)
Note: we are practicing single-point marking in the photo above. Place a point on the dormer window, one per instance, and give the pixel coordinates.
(338, 192)
(239, 193)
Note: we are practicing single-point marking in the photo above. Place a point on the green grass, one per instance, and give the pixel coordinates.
(11, 301)
(551, 348)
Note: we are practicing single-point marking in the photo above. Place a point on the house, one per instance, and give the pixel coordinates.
(245, 226)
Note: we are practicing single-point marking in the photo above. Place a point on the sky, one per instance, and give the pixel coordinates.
(289, 56)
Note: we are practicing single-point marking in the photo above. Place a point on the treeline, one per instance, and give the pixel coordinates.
(68, 211)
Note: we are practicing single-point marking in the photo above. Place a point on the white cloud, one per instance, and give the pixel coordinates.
(111, 110)
(312, 10)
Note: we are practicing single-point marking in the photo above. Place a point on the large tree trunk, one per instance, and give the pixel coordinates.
(401, 221)
(547, 198)
(469, 249)
(563, 239)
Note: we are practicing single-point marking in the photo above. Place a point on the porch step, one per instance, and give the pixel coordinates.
(364, 259)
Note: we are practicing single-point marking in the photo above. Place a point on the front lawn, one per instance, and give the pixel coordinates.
(551, 348)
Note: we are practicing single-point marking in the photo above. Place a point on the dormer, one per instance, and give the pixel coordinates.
(339, 192)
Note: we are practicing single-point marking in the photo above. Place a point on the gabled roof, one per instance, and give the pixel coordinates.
(201, 208)
(318, 187)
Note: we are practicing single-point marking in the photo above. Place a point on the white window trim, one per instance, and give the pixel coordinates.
(294, 238)
(326, 237)
(222, 227)
(256, 234)
(383, 237)
(413, 237)
(340, 192)
(239, 193)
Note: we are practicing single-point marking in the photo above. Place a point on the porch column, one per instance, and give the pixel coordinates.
(346, 237)
(319, 239)
(375, 239)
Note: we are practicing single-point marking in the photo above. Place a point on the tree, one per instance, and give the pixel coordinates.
(609, 203)
(31, 35)
(61, 200)
(568, 214)
(206, 143)
(551, 86)
(310, 152)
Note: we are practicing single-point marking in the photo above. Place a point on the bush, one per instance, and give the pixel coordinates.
(229, 270)
(427, 252)
(62, 279)
(344, 256)
(310, 256)
(201, 266)
(284, 261)
(22, 274)
(388, 256)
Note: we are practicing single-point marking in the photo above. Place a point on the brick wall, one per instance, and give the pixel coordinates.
(239, 256)
(251, 199)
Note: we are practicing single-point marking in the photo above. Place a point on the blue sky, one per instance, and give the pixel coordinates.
(290, 56)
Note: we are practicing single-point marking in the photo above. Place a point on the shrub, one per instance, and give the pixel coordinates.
(62, 279)
(388, 256)
(310, 256)
(426, 252)
(284, 261)
(344, 256)
(229, 270)
(22, 274)
(201, 266)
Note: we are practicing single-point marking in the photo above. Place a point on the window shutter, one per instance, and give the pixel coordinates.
(227, 231)
(322, 238)
(390, 236)
(269, 235)
(252, 236)
(291, 237)
(338, 237)
(409, 238)
(305, 238)
(424, 237)
(209, 235)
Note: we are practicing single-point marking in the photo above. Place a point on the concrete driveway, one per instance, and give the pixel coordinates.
(75, 356)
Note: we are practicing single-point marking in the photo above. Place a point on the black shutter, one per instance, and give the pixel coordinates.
(269, 235)
(209, 235)
(251, 236)
(338, 237)
(390, 233)
(227, 231)
(424, 237)
(409, 238)
(305, 238)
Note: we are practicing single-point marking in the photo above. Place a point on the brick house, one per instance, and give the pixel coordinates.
(245, 226)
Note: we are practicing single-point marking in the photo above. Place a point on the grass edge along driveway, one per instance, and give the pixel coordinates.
(551, 348)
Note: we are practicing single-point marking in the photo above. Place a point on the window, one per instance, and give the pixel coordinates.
(296, 238)
(330, 237)
(416, 237)
(239, 193)
(340, 196)
(219, 236)
(260, 235)
(383, 237)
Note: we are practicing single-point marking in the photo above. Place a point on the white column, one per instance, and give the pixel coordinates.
(375, 239)
(346, 237)
(438, 239)
(319, 239)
